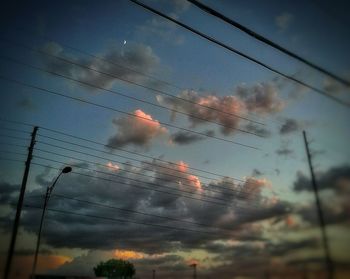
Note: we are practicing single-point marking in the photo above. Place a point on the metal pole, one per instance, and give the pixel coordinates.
(154, 274)
(47, 197)
(20, 205)
(319, 211)
(39, 233)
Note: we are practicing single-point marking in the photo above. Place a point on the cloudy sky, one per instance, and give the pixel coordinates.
(182, 151)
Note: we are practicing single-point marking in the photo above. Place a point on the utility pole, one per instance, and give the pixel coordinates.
(329, 262)
(153, 274)
(20, 205)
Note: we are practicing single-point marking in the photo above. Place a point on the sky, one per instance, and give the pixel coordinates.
(182, 151)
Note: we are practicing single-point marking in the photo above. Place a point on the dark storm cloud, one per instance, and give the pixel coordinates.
(336, 179)
(337, 209)
(135, 56)
(332, 214)
(8, 192)
(183, 138)
(289, 126)
(235, 214)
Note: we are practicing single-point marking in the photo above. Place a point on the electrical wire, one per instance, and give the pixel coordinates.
(41, 89)
(122, 149)
(231, 49)
(117, 220)
(162, 92)
(267, 41)
(129, 158)
(136, 212)
(238, 194)
(225, 201)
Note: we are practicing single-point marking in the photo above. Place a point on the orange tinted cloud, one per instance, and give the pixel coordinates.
(22, 265)
(128, 254)
(112, 166)
(139, 130)
(192, 179)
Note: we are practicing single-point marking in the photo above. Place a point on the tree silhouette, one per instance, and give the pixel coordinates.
(115, 268)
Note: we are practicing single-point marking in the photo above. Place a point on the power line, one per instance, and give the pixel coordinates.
(121, 149)
(131, 179)
(112, 154)
(41, 89)
(267, 41)
(226, 201)
(13, 137)
(231, 49)
(151, 189)
(136, 212)
(118, 220)
(13, 152)
(236, 191)
(139, 154)
(15, 130)
(128, 96)
(236, 195)
(10, 159)
(11, 144)
(16, 122)
(86, 53)
(162, 92)
(128, 158)
(133, 185)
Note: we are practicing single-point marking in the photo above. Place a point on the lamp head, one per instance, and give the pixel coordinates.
(67, 170)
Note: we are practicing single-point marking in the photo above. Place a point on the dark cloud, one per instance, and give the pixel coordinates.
(333, 86)
(256, 172)
(289, 246)
(289, 126)
(336, 209)
(8, 193)
(336, 179)
(138, 131)
(235, 214)
(284, 151)
(260, 98)
(27, 104)
(183, 138)
(230, 104)
(333, 214)
(135, 56)
(257, 129)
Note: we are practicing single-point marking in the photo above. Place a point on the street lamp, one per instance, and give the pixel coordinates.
(49, 190)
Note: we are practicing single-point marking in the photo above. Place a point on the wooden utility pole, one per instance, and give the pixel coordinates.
(153, 274)
(20, 205)
(329, 262)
